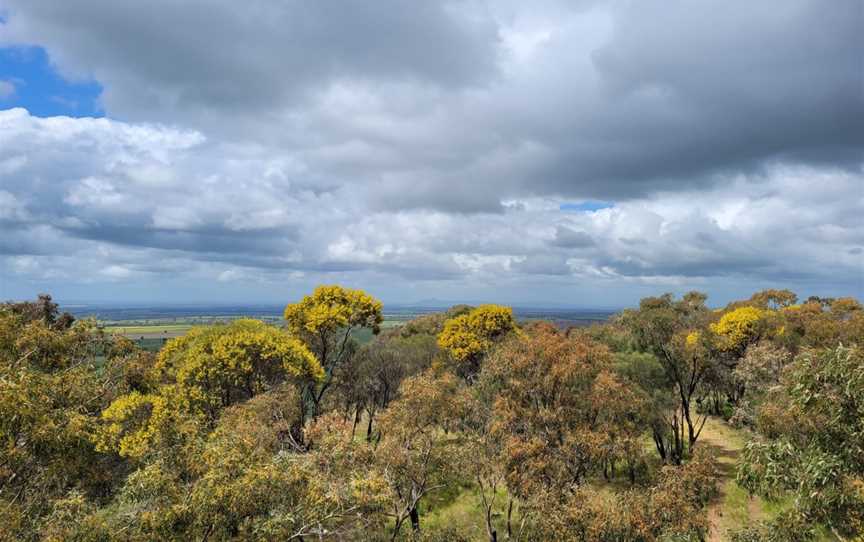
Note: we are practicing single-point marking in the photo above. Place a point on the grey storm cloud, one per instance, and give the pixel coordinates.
(569, 238)
(613, 101)
(253, 55)
(435, 141)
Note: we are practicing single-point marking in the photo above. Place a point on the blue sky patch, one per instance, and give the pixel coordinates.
(40, 89)
(586, 206)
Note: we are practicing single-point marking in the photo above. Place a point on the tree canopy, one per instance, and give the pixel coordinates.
(476, 426)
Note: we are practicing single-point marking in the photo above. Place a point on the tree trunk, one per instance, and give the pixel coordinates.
(369, 428)
(397, 527)
(676, 445)
(716, 401)
(356, 421)
(490, 530)
(415, 519)
(692, 431)
(509, 516)
(659, 443)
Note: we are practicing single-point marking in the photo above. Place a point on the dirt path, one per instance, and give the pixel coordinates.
(732, 508)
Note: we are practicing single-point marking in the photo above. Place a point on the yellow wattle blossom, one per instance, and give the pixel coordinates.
(471, 334)
(207, 370)
(133, 422)
(736, 328)
(333, 307)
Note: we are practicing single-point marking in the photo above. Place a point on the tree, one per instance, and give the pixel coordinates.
(217, 366)
(774, 299)
(758, 371)
(255, 486)
(43, 309)
(726, 341)
(739, 328)
(541, 388)
(249, 482)
(846, 307)
(621, 419)
(212, 439)
(812, 444)
(669, 509)
(370, 380)
(52, 388)
(468, 337)
(433, 323)
(669, 329)
(199, 375)
(417, 450)
(480, 457)
(324, 321)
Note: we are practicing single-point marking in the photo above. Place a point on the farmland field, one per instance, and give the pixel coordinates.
(149, 331)
(150, 327)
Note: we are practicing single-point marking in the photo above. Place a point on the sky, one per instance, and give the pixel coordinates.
(550, 153)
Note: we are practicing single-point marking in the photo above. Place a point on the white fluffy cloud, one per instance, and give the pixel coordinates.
(224, 218)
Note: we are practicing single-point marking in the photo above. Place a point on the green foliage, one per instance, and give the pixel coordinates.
(612, 334)
(369, 381)
(758, 371)
(786, 528)
(673, 331)
(813, 445)
(774, 299)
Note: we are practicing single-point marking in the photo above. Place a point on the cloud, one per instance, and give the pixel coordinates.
(116, 272)
(167, 57)
(229, 275)
(443, 143)
(492, 101)
(248, 218)
(569, 238)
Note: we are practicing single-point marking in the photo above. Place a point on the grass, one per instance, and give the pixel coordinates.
(734, 508)
(463, 510)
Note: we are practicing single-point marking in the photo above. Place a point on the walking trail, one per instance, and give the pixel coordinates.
(733, 507)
